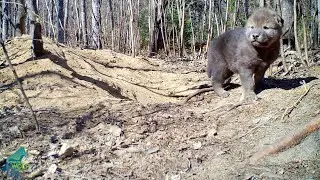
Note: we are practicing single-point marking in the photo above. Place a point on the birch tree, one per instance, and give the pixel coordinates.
(4, 13)
(96, 22)
(83, 18)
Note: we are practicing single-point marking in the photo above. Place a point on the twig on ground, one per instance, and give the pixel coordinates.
(288, 111)
(189, 166)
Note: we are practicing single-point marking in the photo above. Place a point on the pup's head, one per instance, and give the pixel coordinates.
(264, 27)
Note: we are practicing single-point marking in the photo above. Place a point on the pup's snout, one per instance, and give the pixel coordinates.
(255, 36)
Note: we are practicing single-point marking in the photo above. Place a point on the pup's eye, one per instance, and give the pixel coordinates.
(266, 27)
(251, 27)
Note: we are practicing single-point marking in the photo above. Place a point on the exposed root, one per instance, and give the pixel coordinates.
(197, 93)
(289, 141)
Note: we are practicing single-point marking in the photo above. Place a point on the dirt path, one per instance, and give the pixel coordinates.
(123, 118)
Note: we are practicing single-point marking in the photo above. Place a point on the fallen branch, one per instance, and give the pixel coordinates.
(20, 85)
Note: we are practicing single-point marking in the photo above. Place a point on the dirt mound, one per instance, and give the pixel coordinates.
(122, 118)
(93, 76)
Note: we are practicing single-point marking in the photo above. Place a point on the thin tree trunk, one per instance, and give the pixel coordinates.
(173, 29)
(246, 7)
(226, 17)
(151, 28)
(60, 21)
(21, 19)
(131, 29)
(193, 38)
(78, 33)
(305, 41)
(35, 30)
(162, 29)
(96, 23)
(83, 17)
(314, 26)
(112, 24)
(261, 3)
(296, 31)
(236, 5)
(203, 20)
(268, 3)
(66, 19)
(182, 28)
(209, 25)
(318, 21)
(50, 19)
(4, 20)
(281, 43)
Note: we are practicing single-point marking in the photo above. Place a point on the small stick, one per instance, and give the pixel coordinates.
(290, 109)
(20, 85)
(196, 93)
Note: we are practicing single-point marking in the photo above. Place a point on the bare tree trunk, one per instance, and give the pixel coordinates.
(156, 16)
(217, 24)
(318, 21)
(112, 24)
(78, 22)
(137, 29)
(173, 30)
(132, 39)
(268, 3)
(4, 20)
(183, 4)
(162, 26)
(21, 19)
(296, 31)
(96, 22)
(50, 19)
(246, 7)
(236, 5)
(281, 42)
(152, 28)
(203, 20)
(83, 18)
(66, 19)
(261, 3)
(305, 41)
(193, 38)
(287, 9)
(35, 29)
(60, 21)
(314, 26)
(226, 17)
(209, 25)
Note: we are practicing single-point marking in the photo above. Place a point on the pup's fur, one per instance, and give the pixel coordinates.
(247, 51)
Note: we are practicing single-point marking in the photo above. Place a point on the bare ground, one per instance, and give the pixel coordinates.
(122, 118)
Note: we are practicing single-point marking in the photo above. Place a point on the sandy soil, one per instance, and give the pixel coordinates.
(122, 118)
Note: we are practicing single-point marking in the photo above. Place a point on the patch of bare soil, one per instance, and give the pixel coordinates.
(106, 115)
